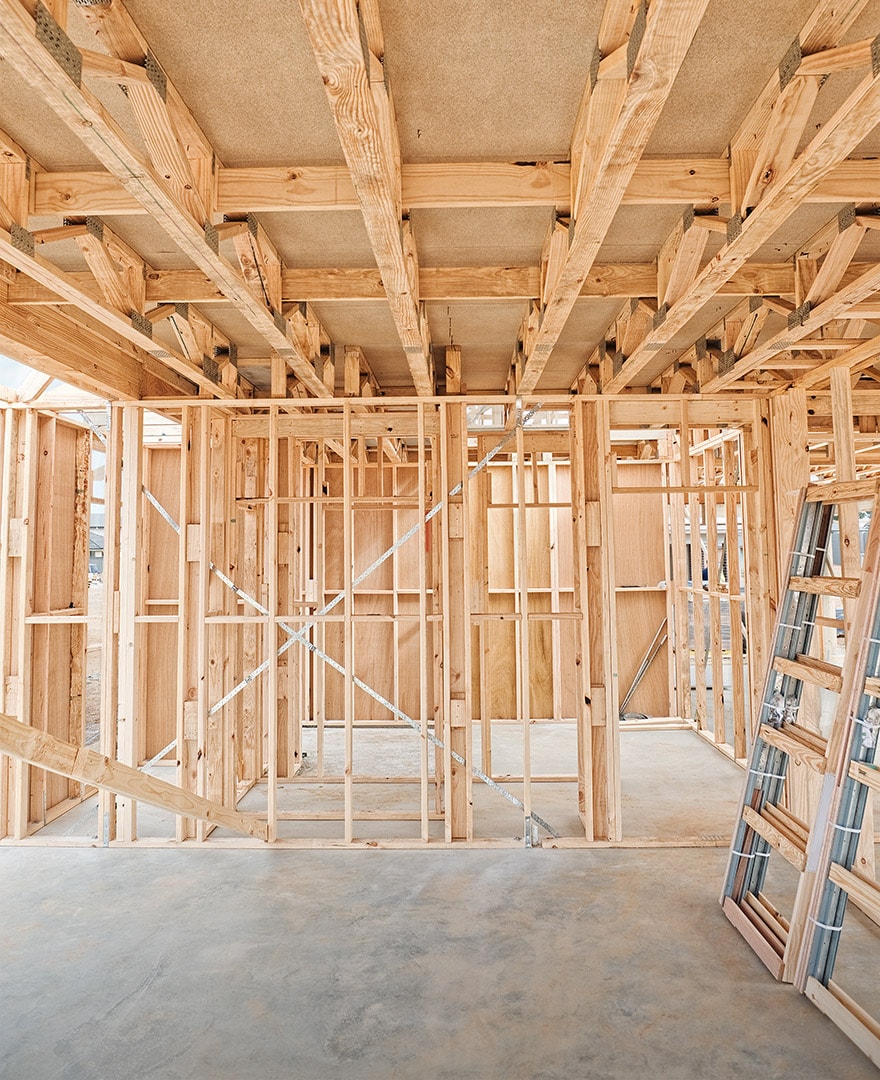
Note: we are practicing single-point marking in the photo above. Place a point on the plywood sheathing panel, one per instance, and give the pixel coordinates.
(474, 80)
(724, 69)
(248, 75)
(148, 239)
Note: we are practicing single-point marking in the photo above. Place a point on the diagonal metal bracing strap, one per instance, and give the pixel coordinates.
(521, 420)
(300, 637)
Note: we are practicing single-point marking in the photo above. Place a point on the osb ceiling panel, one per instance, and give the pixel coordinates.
(477, 80)
(248, 74)
(389, 366)
(487, 370)
(832, 94)
(34, 126)
(637, 233)
(725, 69)
(804, 223)
(365, 323)
(148, 238)
(230, 322)
(335, 238)
(472, 324)
(478, 236)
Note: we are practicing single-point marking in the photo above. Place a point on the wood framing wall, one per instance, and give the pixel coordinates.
(44, 538)
(289, 585)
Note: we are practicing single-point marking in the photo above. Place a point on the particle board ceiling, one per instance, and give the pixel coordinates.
(28, 120)
(248, 74)
(470, 82)
(481, 236)
(334, 238)
(486, 81)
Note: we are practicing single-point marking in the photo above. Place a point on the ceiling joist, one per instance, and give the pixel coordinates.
(620, 108)
(84, 114)
(349, 51)
(836, 139)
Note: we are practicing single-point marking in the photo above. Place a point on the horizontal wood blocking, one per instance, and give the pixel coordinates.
(842, 491)
(864, 892)
(330, 426)
(800, 745)
(865, 774)
(46, 752)
(605, 280)
(825, 586)
(848, 1015)
(701, 182)
(810, 670)
(773, 827)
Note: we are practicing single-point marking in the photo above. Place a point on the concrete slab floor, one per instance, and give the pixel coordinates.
(514, 965)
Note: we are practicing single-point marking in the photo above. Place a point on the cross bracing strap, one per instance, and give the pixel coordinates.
(300, 636)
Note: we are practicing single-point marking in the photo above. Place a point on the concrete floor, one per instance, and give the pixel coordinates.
(504, 965)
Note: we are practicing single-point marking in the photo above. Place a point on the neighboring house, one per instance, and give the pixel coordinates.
(96, 550)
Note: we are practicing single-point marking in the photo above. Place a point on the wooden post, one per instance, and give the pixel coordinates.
(845, 469)
(348, 625)
(249, 577)
(319, 574)
(110, 629)
(585, 534)
(130, 565)
(423, 627)
(270, 638)
(602, 625)
(201, 627)
(714, 583)
(735, 598)
(79, 594)
(791, 470)
(21, 631)
(191, 537)
(524, 636)
(8, 704)
(456, 620)
(678, 582)
(760, 569)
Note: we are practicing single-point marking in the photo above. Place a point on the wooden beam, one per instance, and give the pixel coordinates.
(785, 125)
(694, 181)
(84, 114)
(16, 251)
(800, 326)
(362, 108)
(858, 358)
(613, 138)
(51, 341)
(849, 125)
(616, 280)
(825, 29)
(26, 743)
(260, 262)
(119, 271)
(679, 260)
